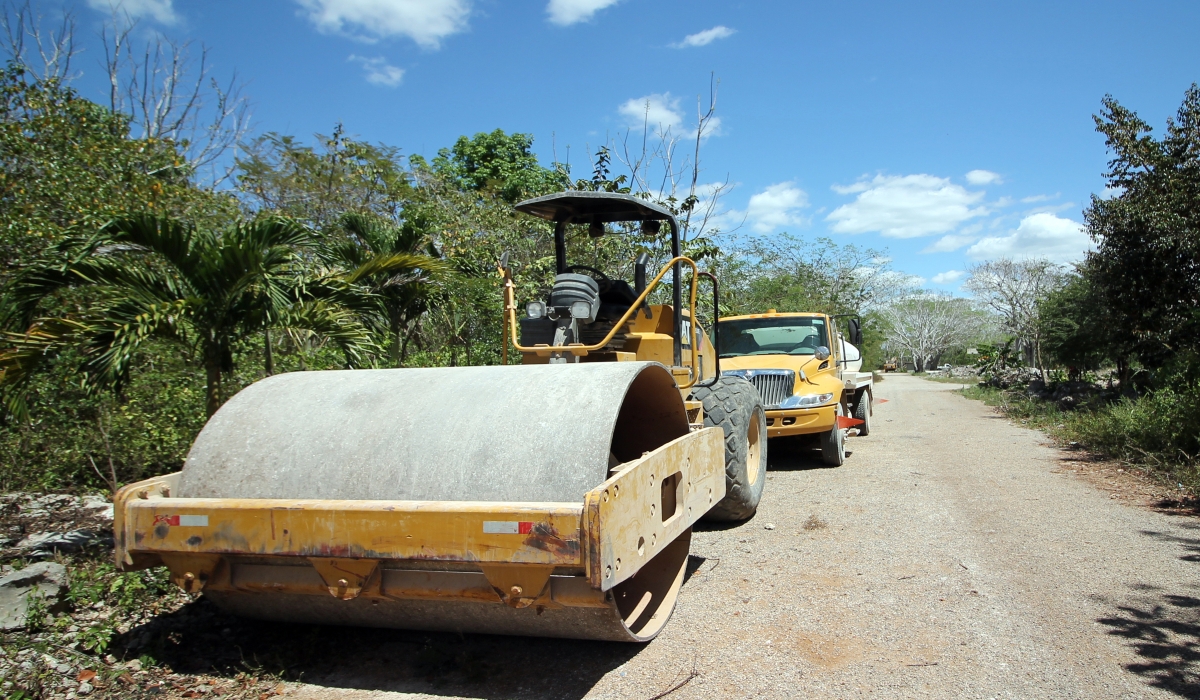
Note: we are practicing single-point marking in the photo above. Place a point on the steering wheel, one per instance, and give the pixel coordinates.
(602, 279)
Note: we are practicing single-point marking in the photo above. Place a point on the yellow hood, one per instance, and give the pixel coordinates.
(819, 378)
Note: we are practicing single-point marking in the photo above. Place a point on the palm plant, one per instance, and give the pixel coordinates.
(398, 266)
(156, 277)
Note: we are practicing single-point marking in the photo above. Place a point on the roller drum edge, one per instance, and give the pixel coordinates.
(661, 578)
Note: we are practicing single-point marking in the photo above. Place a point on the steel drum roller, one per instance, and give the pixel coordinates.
(535, 433)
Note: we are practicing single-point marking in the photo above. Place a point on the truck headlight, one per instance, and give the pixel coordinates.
(535, 309)
(805, 401)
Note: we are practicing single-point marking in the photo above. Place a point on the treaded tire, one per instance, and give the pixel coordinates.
(733, 405)
(862, 411)
(833, 444)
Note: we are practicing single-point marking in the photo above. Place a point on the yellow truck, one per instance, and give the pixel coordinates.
(807, 373)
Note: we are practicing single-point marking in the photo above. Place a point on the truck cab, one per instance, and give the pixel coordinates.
(806, 371)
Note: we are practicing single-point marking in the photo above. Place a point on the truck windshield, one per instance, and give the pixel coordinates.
(796, 335)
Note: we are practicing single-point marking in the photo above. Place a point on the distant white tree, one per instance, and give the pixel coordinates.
(1014, 289)
(927, 325)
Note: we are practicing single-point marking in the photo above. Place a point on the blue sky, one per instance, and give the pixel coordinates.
(945, 132)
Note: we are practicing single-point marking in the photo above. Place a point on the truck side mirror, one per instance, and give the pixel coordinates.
(639, 273)
(855, 333)
(822, 353)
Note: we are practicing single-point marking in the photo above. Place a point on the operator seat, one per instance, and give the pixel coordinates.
(615, 301)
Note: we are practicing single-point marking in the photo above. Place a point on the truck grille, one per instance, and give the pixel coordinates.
(774, 385)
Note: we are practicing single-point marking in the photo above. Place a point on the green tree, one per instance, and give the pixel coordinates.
(158, 278)
(1147, 260)
(67, 162)
(399, 265)
(497, 162)
(1077, 326)
(317, 185)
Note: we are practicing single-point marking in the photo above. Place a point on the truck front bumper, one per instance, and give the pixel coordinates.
(801, 421)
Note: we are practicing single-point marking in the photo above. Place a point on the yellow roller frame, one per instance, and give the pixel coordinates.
(353, 545)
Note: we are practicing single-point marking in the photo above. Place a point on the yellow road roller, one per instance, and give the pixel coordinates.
(551, 498)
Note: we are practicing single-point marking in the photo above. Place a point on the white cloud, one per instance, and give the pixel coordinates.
(162, 11)
(983, 177)
(659, 111)
(566, 12)
(905, 206)
(1041, 235)
(775, 207)
(1040, 198)
(1051, 208)
(426, 22)
(950, 242)
(947, 277)
(705, 37)
(378, 71)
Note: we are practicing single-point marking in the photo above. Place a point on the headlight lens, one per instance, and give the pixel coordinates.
(535, 309)
(806, 401)
(581, 309)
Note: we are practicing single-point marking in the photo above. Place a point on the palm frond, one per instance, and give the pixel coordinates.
(333, 323)
(21, 354)
(388, 266)
(170, 238)
(376, 235)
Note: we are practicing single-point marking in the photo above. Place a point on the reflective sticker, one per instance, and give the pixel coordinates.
(182, 520)
(506, 527)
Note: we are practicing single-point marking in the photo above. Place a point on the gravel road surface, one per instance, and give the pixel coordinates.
(953, 555)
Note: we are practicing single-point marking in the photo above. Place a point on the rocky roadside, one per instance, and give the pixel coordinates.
(71, 626)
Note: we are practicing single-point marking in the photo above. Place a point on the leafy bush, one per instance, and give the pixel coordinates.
(1160, 430)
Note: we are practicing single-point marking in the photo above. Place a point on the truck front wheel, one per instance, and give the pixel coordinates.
(833, 444)
(862, 411)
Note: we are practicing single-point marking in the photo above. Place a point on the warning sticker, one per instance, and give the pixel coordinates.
(506, 527)
(182, 520)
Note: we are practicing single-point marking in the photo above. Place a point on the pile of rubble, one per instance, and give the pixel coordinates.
(58, 643)
(39, 526)
(1011, 377)
(1067, 395)
(1070, 395)
(956, 372)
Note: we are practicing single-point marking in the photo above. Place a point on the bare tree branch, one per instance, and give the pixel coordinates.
(171, 96)
(46, 54)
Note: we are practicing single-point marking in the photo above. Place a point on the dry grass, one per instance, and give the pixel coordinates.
(815, 523)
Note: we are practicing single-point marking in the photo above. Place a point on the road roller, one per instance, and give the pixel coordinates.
(551, 497)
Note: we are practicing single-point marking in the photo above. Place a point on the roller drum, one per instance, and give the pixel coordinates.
(531, 433)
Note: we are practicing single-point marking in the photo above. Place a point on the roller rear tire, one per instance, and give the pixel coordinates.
(733, 405)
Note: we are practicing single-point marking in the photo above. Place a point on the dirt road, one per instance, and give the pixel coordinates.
(953, 555)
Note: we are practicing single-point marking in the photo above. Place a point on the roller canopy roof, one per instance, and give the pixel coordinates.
(593, 207)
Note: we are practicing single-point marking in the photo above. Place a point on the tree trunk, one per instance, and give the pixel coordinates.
(212, 387)
(267, 353)
(1124, 375)
(1037, 352)
(404, 348)
(395, 355)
